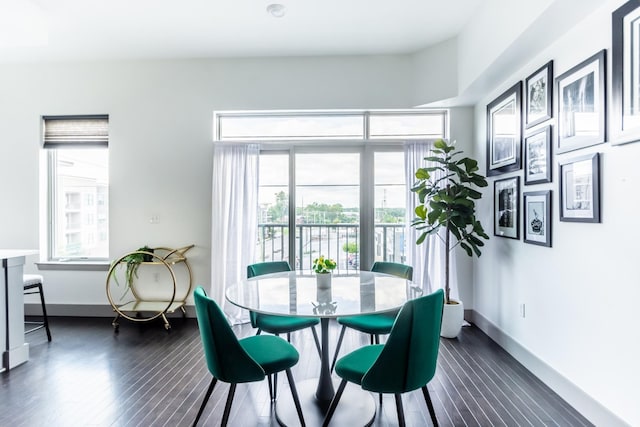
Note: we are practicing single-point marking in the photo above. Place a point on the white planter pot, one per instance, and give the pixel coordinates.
(323, 280)
(452, 318)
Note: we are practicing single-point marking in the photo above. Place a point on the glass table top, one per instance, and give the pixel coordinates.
(297, 293)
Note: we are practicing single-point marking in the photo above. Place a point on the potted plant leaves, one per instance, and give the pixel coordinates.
(133, 261)
(447, 195)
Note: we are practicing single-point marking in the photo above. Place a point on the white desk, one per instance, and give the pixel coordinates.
(14, 350)
(296, 294)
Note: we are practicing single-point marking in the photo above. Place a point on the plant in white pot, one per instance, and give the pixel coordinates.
(446, 192)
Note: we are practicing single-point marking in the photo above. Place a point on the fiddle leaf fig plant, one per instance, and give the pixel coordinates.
(446, 192)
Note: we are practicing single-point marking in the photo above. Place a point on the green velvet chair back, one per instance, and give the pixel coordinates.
(261, 268)
(226, 359)
(393, 268)
(409, 357)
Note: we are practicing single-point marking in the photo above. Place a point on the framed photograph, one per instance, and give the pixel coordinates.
(506, 207)
(582, 108)
(580, 189)
(504, 132)
(537, 218)
(537, 157)
(626, 73)
(539, 95)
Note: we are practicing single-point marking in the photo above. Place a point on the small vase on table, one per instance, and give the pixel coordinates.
(323, 280)
(322, 267)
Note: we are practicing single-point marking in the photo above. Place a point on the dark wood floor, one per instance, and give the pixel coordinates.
(144, 376)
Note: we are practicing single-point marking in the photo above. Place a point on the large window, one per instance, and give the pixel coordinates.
(327, 207)
(332, 183)
(78, 187)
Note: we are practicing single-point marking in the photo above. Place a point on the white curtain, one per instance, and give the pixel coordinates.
(428, 258)
(234, 220)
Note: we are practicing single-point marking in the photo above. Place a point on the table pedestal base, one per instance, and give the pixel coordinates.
(356, 407)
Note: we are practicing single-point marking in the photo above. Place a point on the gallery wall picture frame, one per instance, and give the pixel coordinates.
(504, 132)
(536, 213)
(506, 207)
(582, 107)
(625, 81)
(580, 189)
(537, 156)
(539, 95)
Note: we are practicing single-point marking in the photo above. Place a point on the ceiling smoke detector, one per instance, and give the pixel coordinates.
(276, 10)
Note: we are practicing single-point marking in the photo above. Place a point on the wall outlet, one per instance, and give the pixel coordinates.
(522, 310)
(155, 219)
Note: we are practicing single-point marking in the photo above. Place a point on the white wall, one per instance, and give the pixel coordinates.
(580, 294)
(439, 64)
(161, 117)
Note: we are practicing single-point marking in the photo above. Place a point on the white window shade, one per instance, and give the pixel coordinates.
(76, 131)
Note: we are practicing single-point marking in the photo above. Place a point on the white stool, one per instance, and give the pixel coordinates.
(33, 285)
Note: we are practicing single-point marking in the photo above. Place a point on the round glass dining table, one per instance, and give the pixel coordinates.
(296, 293)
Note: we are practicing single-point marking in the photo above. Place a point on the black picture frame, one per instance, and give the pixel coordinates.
(625, 79)
(537, 221)
(506, 207)
(582, 104)
(539, 96)
(580, 189)
(504, 132)
(537, 156)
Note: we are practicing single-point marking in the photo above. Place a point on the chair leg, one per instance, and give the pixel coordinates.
(334, 403)
(45, 319)
(270, 388)
(377, 338)
(227, 406)
(275, 386)
(432, 412)
(258, 331)
(206, 399)
(335, 356)
(294, 393)
(401, 421)
(315, 338)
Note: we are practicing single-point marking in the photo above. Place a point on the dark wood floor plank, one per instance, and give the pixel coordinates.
(144, 376)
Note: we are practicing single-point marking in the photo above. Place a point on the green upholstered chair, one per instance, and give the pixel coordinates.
(278, 324)
(374, 324)
(406, 362)
(239, 361)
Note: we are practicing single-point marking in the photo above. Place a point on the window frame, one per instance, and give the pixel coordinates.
(50, 152)
(366, 146)
(366, 115)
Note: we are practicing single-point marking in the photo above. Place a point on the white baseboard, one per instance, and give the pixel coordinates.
(591, 409)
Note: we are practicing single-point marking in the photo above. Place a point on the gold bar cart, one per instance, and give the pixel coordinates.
(143, 300)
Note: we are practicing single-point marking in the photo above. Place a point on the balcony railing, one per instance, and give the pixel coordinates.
(335, 241)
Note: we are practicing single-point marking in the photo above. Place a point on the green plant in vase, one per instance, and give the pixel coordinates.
(323, 265)
(133, 261)
(447, 201)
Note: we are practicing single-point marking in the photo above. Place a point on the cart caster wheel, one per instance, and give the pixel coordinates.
(167, 327)
(116, 327)
(138, 315)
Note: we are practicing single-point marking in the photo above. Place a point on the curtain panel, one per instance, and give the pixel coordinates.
(234, 220)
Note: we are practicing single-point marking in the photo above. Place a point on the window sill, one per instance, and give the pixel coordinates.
(74, 265)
